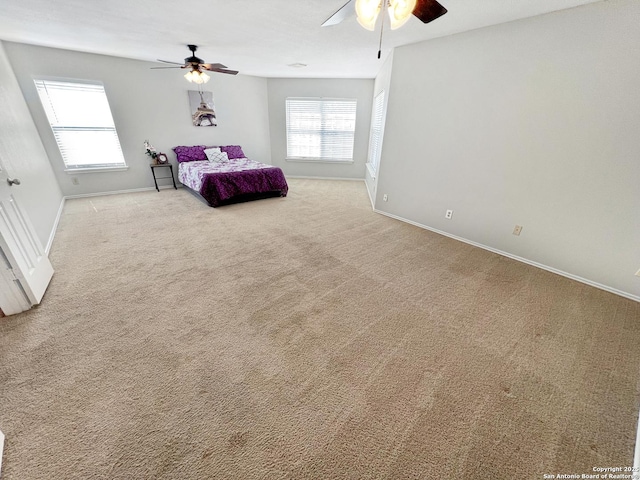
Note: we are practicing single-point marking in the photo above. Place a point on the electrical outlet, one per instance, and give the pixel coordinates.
(75, 180)
(449, 214)
(385, 197)
(517, 230)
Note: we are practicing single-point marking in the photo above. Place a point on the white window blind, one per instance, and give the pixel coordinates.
(320, 129)
(375, 136)
(82, 124)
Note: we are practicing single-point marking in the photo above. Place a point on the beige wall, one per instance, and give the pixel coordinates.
(280, 89)
(23, 156)
(535, 123)
(146, 104)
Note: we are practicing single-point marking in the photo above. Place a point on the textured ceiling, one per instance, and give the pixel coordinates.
(257, 37)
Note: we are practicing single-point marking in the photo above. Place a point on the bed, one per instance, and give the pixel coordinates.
(231, 180)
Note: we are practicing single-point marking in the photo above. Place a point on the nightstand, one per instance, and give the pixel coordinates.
(162, 165)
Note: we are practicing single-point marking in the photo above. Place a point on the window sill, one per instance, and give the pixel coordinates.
(316, 160)
(73, 171)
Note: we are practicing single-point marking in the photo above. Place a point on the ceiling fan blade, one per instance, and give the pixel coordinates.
(345, 11)
(224, 70)
(157, 68)
(166, 61)
(211, 66)
(428, 10)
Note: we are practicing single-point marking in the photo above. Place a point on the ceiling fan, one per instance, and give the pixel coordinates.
(399, 12)
(196, 66)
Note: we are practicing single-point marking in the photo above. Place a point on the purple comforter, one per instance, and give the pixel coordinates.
(222, 182)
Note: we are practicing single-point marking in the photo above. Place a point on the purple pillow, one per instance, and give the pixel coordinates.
(190, 154)
(233, 151)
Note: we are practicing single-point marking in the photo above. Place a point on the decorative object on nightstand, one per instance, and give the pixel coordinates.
(162, 159)
(151, 151)
(161, 165)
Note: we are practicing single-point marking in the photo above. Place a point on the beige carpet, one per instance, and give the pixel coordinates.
(307, 337)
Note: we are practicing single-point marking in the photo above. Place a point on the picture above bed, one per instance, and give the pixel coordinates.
(231, 180)
(202, 111)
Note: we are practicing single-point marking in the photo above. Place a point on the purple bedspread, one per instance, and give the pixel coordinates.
(220, 187)
(222, 183)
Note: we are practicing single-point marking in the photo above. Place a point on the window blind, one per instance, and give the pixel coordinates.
(82, 124)
(375, 136)
(320, 129)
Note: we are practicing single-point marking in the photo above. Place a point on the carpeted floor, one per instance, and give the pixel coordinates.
(307, 337)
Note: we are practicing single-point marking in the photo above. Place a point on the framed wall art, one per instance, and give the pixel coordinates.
(203, 113)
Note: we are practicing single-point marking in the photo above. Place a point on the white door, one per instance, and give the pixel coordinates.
(1, 449)
(25, 270)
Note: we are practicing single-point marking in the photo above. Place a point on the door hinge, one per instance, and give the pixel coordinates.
(12, 275)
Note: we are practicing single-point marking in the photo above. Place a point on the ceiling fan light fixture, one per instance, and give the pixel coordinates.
(367, 12)
(196, 76)
(400, 11)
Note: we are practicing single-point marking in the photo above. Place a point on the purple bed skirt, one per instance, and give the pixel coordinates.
(225, 187)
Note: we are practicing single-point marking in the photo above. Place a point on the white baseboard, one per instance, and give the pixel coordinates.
(516, 257)
(1, 450)
(373, 205)
(55, 226)
(117, 192)
(326, 178)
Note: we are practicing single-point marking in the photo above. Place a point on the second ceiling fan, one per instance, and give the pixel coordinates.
(399, 12)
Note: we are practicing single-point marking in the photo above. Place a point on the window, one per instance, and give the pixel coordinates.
(82, 124)
(375, 136)
(320, 129)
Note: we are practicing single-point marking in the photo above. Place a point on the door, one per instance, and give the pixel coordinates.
(25, 267)
(1, 449)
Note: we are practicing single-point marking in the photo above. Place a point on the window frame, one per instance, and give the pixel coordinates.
(376, 131)
(79, 168)
(327, 158)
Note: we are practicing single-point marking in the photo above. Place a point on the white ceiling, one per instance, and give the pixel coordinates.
(257, 37)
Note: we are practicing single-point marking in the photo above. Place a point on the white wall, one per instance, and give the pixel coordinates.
(382, 83)
(24, 157)
(279, 89)
(534, 122)
(146, 104)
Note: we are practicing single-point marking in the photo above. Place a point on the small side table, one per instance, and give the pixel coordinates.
(160, 165)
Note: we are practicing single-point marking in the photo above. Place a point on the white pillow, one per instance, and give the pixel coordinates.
(220, 157)
(210, 152)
